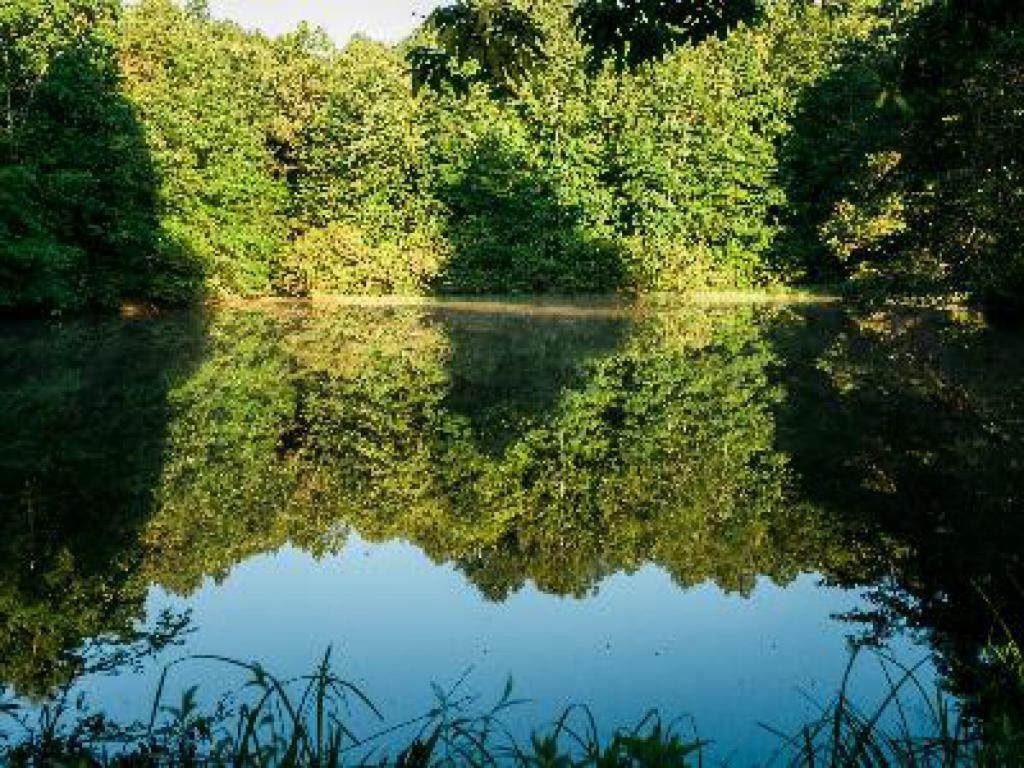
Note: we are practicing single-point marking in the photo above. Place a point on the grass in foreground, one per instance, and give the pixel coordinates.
(307, 722)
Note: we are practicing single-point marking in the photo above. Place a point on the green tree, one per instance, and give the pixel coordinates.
(635, 32)
(205, 92)
(78, 224)
(490, 41)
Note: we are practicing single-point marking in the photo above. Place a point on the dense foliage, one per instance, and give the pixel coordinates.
(634, 32)
(905, 161)
(77, 186)
(504, 44)
(150, 152)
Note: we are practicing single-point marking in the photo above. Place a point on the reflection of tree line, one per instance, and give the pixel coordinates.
(130, 461)
(909, 429)
(661, 451)
(83, 412)
(719, 445)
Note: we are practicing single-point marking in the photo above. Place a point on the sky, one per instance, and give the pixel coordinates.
(387, 20)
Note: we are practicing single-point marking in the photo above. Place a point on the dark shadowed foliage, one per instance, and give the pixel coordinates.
(908, 428)
(843, 205)
(78, 219)
(488, 41)
(84, 412)
(904, 164)
(509, 232)
(964, 78)
(636, 32)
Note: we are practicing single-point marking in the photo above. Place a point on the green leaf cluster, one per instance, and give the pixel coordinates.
(155, 153)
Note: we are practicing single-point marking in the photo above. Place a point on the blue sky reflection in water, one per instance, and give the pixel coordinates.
(638, 642)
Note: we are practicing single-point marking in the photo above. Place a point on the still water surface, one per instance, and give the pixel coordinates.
(690, 509)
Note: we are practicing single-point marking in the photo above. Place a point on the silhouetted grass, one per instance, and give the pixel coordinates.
(844, 734)
(308, 721)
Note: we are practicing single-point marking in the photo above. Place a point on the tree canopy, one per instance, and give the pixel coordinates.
(502, 43)
(157, 154)
(635, 32)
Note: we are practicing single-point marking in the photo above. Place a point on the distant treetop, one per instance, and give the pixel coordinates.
(634, 32)
(500, 42)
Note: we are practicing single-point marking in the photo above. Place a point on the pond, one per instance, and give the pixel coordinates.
(698, 509)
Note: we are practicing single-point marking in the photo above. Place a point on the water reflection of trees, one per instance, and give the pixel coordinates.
(877, 449)
(654, 445)
(84, 413)
(907, 427)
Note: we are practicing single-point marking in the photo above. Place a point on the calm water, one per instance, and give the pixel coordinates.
(694, 509)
